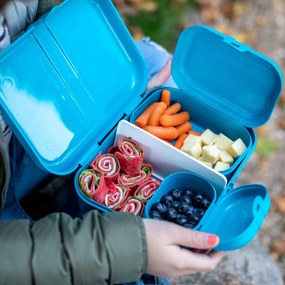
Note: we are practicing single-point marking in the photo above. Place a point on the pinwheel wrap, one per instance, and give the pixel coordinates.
(93, 185)
(130, 155)
(133, 205)
(132, 180)
(108, 164)
(117, 197)
(146, 189)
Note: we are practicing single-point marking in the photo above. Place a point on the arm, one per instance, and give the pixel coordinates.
(97, 249)
(19, 15)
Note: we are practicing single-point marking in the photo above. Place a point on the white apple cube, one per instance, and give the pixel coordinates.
(223, 142)
(226, 157)
(237, 148)
(220, 166)
(192, 148)
(210, 153)
(194, 138)
(208, 137)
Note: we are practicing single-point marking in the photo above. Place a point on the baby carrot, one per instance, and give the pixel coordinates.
(172, 109)
(194, 133)
(184, 128)
(156, 114)
(167, 141)
(174, 120)
(165, 97)
(166, 133)
(142, 120)
(179, 143)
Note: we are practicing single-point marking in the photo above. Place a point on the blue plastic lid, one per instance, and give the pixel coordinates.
(237, 216)
(229, 76)
(68, 80)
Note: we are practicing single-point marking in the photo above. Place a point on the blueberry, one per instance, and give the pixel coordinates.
(167, 200)
(183, 207)
(181, 220)
(194, 219)
(187, 192)
(176, 204)
(175, 193)
(200, 212)
(159, 207)
(198, 199)
(205, 203)
(189, 225)
(155, 215)
(190, 212)
(186, 199)
(171, 214)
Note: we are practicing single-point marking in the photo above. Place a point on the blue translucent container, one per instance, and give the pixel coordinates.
(76, 73)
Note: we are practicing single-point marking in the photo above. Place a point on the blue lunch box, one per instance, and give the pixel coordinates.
(76, 75)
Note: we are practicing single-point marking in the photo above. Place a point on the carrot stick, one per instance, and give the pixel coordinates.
(167, 141)
(184, 128)
(156, 114)
(194, 133)
(142, 120)
(174, 120)
(166, 133)
(172, 109)
(179, 143)
(165, 97)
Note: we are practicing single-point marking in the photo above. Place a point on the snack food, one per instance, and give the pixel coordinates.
(130, 155)
(108, 164)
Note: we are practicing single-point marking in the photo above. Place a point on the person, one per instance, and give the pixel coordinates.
(94, 248)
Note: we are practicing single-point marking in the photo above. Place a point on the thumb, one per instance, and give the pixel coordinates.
(195, 239)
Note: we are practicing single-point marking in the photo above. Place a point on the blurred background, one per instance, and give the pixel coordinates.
(260, 24)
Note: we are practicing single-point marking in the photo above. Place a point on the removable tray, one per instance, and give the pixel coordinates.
(235, 215)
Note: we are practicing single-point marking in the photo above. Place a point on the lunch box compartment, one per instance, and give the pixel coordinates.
(184, 181)
(202, 117)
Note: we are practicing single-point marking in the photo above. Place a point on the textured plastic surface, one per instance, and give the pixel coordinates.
(64, 84)
(237, 216)
(228, 76)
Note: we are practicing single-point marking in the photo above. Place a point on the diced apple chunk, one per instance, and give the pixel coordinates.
(237, 148)
(220, 166)
(223, 142)
(194, 138)
(210, 153)
(192, 148)
(208, 137)
(226, 157)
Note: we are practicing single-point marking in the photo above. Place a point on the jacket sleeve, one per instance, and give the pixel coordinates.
(94, 249)
(19, 14)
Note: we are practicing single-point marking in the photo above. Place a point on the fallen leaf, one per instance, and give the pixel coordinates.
(279, 246)
(281, 123)
(262, 131)
(261, 21)
(279, 203)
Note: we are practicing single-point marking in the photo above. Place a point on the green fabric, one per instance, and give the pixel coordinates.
(97, 249)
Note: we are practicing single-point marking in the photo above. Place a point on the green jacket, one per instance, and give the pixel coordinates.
(59, 250)
(94, 249)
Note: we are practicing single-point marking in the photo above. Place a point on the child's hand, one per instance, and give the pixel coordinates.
(161, 76)
(166, 257)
